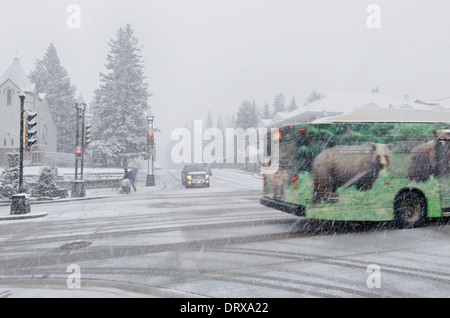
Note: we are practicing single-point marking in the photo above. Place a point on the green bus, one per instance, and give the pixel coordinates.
(369, 165)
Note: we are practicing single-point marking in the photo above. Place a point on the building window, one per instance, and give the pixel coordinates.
(8, 97)
(12, 141)
(4, 142)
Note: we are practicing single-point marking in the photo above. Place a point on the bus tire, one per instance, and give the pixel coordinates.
(410, 210)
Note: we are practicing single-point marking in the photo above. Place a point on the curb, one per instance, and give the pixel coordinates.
(23, 216)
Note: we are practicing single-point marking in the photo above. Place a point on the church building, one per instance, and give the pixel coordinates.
(12, 82)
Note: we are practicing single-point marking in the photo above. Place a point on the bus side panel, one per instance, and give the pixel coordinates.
(335, 184)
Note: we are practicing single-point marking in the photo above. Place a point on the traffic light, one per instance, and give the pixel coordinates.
(151, 137)
(86, 135)
(78, 151)
(28, 125)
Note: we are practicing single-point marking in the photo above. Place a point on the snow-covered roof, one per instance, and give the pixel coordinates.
(389, 115)
(346, 101)
(443, 102)
(264, 123)
(16, 75)
(332, 103)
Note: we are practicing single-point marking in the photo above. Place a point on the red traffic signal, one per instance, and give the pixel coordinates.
(150, 137)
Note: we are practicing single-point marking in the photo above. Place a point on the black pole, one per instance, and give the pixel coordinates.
(19, 202)
(82, 141)
(22, 110)
(148, 153)
(76, 141)
(150, 147)
(153, 158)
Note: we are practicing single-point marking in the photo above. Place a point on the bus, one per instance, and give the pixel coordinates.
(368, 165)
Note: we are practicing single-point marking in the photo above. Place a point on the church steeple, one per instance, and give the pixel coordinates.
(16, 74)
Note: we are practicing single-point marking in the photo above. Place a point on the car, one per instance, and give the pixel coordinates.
(195, 175)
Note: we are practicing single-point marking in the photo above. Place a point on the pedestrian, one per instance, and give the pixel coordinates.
(130, 175)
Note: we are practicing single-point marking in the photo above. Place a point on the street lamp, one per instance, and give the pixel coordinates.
(150, 147)
(19, 202)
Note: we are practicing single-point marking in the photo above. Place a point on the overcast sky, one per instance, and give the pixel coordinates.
(205, 55)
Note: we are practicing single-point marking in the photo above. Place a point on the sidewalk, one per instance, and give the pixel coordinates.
(91, 194)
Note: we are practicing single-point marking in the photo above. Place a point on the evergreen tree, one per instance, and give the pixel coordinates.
(279, 104)
(46, 184)
(266, 112)
(293, 105)
(52, 79)
(247, 115)
(121, 100)
(9, 181)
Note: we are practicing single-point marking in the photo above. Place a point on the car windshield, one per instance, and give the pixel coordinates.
(192, 168)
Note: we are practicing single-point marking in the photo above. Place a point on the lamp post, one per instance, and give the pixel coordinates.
(150, 147)
(19, 202)
(22, 110)
(78, 187)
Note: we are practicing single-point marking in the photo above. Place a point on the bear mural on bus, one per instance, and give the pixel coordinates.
(345, 166)
(278, 183)
(430, 158)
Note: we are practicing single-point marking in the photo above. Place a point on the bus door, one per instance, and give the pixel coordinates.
(445, 190)
(443, 167)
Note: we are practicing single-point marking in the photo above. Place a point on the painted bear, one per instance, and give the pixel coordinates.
(431, 158)
(277, 184)
(344, 166)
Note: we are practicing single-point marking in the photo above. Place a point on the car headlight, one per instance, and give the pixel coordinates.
(189, 177)
(206, 176)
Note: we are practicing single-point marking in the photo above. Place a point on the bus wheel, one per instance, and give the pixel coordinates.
(410, 210)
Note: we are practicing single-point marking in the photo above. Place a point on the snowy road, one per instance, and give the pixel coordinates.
(213, 242)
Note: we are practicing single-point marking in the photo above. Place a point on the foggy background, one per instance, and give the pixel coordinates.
(203, 55)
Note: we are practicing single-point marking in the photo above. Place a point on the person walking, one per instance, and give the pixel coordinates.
(130, 175)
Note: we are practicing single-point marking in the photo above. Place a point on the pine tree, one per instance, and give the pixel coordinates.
(121, 100)
(247, 115)
(52, 79)
(46, 184)
(266, 112)
(279, 104)
(9, 181)
(293, 105)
